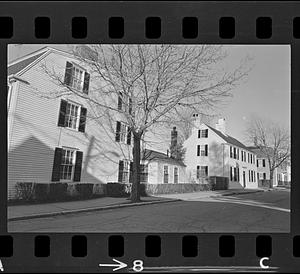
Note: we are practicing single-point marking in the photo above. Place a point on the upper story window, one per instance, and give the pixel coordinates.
(72, 115)
(77, 78)
(203, 133)
(123, 133)
(263, 162)
(124, 103)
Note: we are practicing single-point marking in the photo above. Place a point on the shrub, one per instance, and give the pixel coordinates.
(24, 191)
(41, 192)
(99, 189)
(118, 190)
(57, 191)
(174, 188)
(85, 190)
(218, 183)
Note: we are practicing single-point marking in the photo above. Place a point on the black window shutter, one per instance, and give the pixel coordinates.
(198, 150)
(206, 133)
(206, 150)
(62, 113)
(199, 133)
(128, 136)
(118, 129)
(86, 83)
(56, 164)
(121, 167)
(78, 164)
(131, 172)
(120, 101)
(206, 171)
(82, 120)
(68, 74)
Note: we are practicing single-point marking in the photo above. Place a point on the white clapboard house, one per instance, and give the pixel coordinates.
(52, 139)
(212, 152)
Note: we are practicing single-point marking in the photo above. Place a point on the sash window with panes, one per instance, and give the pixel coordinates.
(202, 133)
(67, 164)
(72, 116)
(144, 173)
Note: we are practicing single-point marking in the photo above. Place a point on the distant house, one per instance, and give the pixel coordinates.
(160, 168)
(212, 152)
(263, 168)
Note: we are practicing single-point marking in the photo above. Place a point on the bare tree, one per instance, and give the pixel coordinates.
(272, 140)
(155, 83)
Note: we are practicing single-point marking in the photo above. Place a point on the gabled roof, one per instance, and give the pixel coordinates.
(229, 139)
(152, 155)
(20, 64)
(259, 153)
(17, 67)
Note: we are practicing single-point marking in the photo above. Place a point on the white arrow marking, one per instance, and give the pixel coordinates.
(120, 265)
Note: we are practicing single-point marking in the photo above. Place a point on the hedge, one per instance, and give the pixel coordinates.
(218, 183)
(152, 189)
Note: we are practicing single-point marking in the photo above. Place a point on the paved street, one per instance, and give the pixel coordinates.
(255, 212)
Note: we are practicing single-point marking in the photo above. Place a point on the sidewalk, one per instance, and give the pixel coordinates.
(23, 212)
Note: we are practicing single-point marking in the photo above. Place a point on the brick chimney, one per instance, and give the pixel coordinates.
(221, 125)
(173, 143)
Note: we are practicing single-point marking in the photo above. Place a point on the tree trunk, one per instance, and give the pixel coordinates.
(135, 190)
(271, 178)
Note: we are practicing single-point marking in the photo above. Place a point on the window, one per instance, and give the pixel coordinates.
(234, 174)
(203, 133)
(72, 116)
(166, 174)
(175, 175)
(124, 103)
(144, 174)
(124, 171)
(76, 77)
(67, 164)
(263, 162)
(123, 133)
(202, 171)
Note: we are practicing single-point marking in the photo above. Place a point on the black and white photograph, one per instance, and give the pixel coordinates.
(148, 138)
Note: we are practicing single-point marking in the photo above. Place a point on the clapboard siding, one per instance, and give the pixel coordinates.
(35, 134)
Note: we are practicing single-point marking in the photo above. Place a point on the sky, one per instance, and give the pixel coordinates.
(266, 92)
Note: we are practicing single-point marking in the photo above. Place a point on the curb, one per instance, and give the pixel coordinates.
(240, 193)
(91, 209)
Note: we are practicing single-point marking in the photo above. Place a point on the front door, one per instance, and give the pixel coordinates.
(244, 178)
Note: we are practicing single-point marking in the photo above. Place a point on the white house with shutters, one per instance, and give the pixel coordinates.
(55, 139)
(212, 152)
